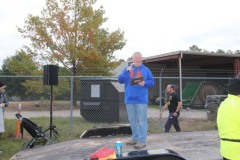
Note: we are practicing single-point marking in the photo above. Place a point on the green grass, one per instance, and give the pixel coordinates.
(11, 145)
(154, 106)
(156, 125)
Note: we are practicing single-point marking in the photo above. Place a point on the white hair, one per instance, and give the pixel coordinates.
(136, 53)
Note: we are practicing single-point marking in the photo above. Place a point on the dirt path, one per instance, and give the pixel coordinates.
(153, 113)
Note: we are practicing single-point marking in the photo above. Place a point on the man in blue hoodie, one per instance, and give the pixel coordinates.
(136, 98)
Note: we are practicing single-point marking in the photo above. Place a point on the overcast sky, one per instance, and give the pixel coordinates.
(151, 26)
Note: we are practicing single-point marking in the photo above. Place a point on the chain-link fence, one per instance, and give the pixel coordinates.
(101, 99)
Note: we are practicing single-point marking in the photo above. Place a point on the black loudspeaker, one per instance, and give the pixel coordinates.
(50, 75)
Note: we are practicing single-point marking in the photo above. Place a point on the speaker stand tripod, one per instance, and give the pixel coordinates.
(52, 128)
(50, 77)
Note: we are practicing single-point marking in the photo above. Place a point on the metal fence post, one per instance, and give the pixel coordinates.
(160, 101)
(71, 105)
(160, 89)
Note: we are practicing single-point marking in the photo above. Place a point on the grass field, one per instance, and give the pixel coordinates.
(43, 105)
(10, 145)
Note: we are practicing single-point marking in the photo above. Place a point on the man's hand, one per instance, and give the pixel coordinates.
(2, 105)
(142, 83)
(129, 68)
(161, 114)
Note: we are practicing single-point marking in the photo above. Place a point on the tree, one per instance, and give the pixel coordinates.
(237, 52)
(129, 59)
(205, 50)
(220, 51)
(23, 64)
(195, 48)
(69, 33)
(229, 52)
(19, 64)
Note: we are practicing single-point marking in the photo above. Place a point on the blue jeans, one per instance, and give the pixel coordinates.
(137, 116)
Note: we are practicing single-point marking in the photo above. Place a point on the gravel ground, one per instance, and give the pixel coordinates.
(153, 113)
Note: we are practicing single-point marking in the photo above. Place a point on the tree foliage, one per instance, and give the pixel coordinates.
(21, 63)
(70, 33)
(195, 48)
(220, 51)
(237, 52)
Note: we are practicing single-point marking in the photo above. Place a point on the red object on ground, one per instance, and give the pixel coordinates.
(103, 152)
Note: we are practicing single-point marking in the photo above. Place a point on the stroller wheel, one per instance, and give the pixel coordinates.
(26, 145)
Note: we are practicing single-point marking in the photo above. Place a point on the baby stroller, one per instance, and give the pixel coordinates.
(38, 136)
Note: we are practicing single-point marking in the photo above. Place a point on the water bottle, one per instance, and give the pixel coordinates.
(118, 146)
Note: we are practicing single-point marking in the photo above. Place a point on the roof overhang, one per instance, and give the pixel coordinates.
(186, 54)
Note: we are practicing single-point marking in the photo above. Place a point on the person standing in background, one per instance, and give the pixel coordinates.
(136, 98)
(3, 103)
(173, 105)
(228, 122)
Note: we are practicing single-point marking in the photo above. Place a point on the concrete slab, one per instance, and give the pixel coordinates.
(190, 145)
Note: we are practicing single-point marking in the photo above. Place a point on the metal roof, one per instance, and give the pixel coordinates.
(176, 54)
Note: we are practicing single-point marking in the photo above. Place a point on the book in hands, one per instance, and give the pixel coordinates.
(135, 81)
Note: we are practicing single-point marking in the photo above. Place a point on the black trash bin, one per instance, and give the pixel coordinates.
(102, 100)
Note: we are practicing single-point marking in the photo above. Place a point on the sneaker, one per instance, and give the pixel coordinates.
(131, 142)
(139, 146)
